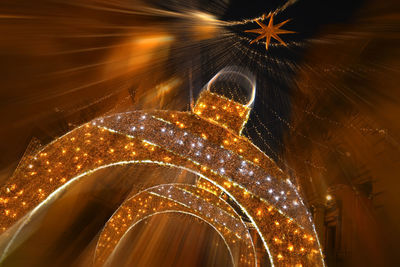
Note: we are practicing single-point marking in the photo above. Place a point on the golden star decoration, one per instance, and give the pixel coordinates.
(270, 30)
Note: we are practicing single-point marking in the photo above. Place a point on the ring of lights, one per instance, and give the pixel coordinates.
(206, 142)
(240, 76)
(180, 198)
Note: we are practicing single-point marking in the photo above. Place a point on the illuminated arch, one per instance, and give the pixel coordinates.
(207, 143)
(180, 198)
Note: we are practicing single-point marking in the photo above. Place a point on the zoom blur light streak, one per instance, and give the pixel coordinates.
(207, 142)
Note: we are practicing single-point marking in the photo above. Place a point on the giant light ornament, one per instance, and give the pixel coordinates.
(207, 142)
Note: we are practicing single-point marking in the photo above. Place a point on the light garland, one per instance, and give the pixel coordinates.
(207, 143)
(183, 199)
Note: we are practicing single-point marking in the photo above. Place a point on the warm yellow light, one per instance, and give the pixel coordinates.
(227, 184)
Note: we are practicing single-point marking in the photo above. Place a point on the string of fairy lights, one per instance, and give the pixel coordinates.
(278, 10)
(266, 61)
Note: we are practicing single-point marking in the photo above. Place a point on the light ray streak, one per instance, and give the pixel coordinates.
(166, 212)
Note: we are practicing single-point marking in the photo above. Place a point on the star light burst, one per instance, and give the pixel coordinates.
(269, 31)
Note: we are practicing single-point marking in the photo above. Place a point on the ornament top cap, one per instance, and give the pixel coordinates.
(221, 110)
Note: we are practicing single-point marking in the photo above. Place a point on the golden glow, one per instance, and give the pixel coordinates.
(205, 26)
